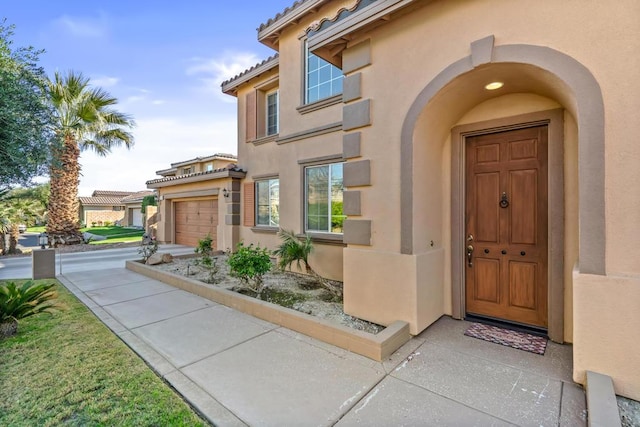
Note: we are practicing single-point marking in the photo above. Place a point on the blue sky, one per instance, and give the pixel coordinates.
(164, 61)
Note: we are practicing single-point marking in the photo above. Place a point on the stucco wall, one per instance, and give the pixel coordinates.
(606, 330)
(407, 55)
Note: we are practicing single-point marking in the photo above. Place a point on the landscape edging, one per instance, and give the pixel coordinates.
(377, 347)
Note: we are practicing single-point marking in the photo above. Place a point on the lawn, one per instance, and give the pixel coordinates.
(70, 369)
(115, 234)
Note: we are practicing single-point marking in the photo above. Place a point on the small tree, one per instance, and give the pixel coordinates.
(205, 249)
(148, 201)
(293, 250)
(250, 264)
(148, 247)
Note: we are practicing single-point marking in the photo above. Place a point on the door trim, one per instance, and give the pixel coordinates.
(554, 119)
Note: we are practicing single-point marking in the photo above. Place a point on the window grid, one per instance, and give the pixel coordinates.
(322, 78)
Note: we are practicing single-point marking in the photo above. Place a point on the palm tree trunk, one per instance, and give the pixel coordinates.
(14, 235)
(3, 243)
(333, 287)
(63, 202)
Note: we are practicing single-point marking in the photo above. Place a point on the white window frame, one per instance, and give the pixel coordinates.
(329, 199)
(274, 217)
(267, 95)
(306, 89)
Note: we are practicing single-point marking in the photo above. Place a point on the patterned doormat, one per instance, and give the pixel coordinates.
(519, 340)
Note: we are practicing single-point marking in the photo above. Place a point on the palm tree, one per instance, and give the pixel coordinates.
(84, 119)
(293, 250)
(13, 212)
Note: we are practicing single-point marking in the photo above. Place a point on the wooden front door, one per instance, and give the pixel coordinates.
(506, 226)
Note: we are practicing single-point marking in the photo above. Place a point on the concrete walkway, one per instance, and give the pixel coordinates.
(239, 370)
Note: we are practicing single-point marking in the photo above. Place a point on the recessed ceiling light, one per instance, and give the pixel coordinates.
(494, 85)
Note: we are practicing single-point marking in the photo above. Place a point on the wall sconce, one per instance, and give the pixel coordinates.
(43, 240)
(225, 193)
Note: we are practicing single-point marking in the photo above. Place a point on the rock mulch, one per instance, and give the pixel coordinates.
(629, 412)
(297, 291)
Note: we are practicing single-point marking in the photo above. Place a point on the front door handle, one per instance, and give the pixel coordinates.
(470, 256)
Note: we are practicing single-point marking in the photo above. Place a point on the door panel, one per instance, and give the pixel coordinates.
(506, 224)
(487, 280)
(522, 284)
(487, 184)
(523, 204)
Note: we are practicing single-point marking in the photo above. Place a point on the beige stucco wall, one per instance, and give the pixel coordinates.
(438, 35)
(271, 158)
(606, 330)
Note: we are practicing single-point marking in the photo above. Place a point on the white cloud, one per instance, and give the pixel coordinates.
(104, 81)
(158, 102)
(134, 98)
(84, 26)
(213, 71)
(158, 143)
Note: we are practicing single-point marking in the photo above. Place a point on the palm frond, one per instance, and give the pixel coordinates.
(27, 300)
(293, 250)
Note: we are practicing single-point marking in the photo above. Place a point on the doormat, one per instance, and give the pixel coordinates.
(514, 339)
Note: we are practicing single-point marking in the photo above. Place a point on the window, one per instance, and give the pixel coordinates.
(209, 167)
(186, 171)
(268, 202)
(323, 194)
(322, 79)
(272, 113)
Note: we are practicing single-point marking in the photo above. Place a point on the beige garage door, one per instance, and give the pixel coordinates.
(194, 220)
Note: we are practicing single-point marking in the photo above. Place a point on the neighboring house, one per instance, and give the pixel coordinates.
(101, 207)
(133, 216)
(199, 197)
(468, 147)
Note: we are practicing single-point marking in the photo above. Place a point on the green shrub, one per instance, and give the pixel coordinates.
(148, 247)
(107, 223)
(18, 302)
(148, 201)
(293, 250)
(250, 264)
(205, 249)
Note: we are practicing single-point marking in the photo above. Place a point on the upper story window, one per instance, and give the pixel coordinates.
(186, 171)
(322, 79)
(209, 167)
(323, 193)
(272, 120)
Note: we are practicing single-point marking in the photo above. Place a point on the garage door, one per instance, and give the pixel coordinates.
(136, 220)
(194, 220)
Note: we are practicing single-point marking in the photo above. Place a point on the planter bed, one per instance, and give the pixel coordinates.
(377, 347)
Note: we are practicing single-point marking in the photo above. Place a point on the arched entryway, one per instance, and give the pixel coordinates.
(427, 158)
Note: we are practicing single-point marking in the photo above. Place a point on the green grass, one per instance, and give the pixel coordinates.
(116, 240)
(38, 229)
(114, 232)
(70, 369)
